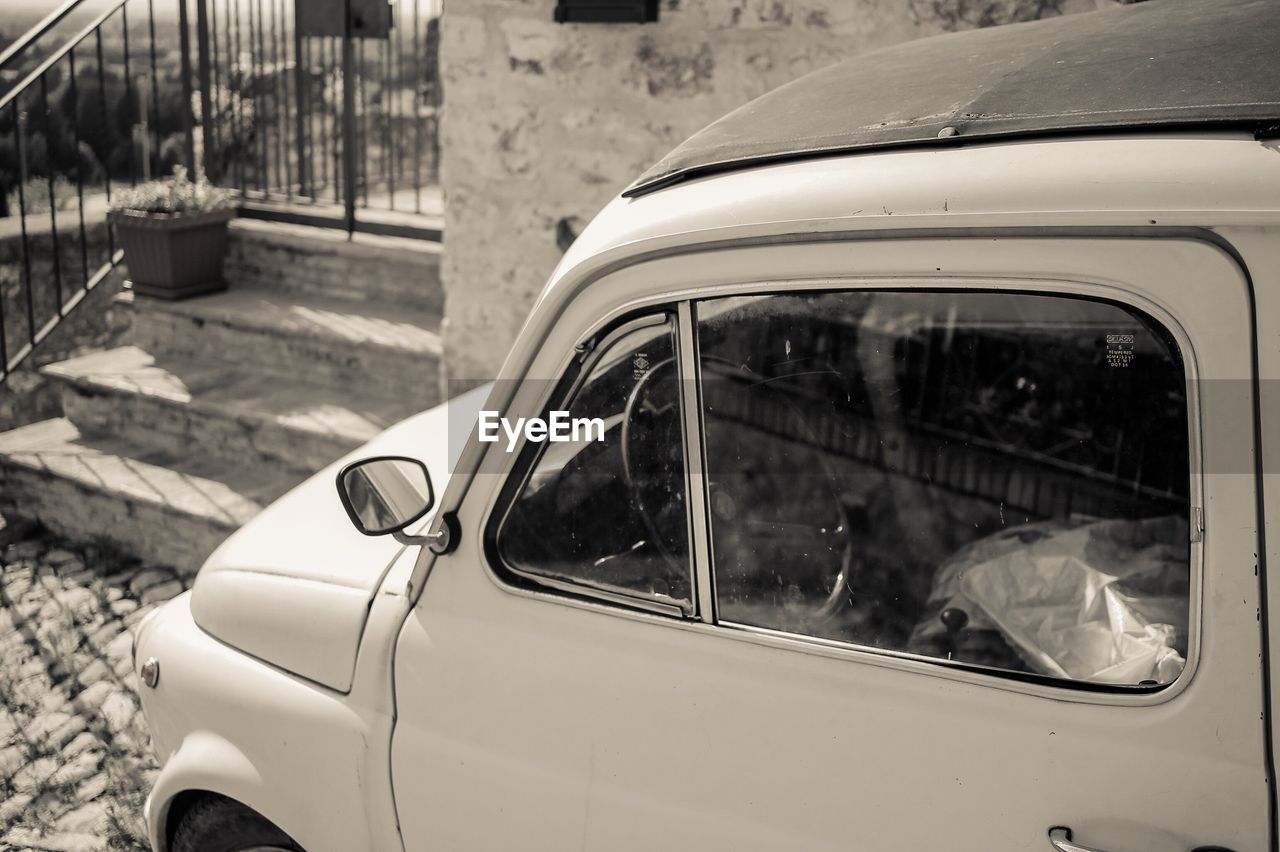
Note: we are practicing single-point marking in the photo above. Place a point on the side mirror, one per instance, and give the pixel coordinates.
(385, 494)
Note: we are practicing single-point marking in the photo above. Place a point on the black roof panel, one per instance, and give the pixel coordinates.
(1161, 64)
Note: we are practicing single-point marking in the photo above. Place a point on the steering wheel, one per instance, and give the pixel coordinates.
(759, 513)
(651, 429)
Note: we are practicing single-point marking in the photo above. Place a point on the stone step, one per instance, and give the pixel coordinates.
(325, 262)
(170, 509)
(386, 350)
(208, 406)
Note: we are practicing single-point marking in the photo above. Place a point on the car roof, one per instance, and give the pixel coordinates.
(1168, 64)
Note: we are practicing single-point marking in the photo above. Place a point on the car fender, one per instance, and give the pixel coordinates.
(273, 729)
(203, 762)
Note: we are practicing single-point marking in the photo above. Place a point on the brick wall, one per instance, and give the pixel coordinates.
(544, 123)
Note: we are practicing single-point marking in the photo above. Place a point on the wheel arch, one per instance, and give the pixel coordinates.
(203, 765)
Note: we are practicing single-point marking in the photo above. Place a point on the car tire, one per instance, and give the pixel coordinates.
(218, 824)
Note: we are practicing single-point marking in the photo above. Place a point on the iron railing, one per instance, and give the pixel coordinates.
(56, 175)
(283, 109)
(337, 131)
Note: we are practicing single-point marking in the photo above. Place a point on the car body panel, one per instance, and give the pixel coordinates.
(466, 659)
(1259, 249)
(226, 723)
(258, 735)
(262, 724)
(597, 727)
(324, 569)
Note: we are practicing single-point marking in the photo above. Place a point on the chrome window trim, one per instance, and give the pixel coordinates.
(1195, 496)
(1089, 285)
(589, 351)
(695, 469)
(595, 590)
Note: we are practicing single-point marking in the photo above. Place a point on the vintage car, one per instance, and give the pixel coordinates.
(929, 504)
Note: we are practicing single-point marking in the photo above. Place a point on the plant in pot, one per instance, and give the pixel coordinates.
(174, 235)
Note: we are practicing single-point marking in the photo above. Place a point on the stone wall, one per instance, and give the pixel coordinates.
(544, 123)
(299, 259)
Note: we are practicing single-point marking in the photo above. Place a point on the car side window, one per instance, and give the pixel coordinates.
(610, 515)
(998, 479)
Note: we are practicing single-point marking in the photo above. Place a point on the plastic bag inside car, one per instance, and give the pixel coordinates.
(1098, 601)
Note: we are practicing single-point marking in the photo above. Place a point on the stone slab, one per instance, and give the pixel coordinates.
(244, 416)
(165, 509)
(347, 344)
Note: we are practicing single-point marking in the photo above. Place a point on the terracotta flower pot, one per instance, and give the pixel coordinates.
(174, 255)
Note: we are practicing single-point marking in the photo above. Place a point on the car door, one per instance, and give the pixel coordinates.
(888, 561)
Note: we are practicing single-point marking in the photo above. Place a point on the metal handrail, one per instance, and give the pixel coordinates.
(316, 129)
(34, 34)
(38, 303)
(59, 54)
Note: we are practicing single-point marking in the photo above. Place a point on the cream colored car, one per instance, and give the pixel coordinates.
(932, 507)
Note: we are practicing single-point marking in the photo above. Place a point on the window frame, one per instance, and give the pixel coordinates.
(587, 354)
(1181, 348)
(703, 616)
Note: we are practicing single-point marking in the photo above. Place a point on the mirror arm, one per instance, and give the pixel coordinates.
(417, 540)
(440, 542)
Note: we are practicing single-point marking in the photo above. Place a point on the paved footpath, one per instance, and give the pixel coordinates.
(75, 760)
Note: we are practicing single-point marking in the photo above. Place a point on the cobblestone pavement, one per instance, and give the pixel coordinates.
(75, 760)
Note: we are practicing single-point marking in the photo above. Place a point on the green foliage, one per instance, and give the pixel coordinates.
(88, 130)
(36, 194)
(178, 194)
(173, 151)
